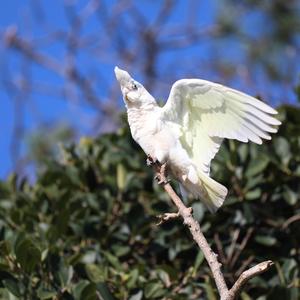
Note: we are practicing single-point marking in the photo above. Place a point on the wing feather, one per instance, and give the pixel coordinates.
(207, 113)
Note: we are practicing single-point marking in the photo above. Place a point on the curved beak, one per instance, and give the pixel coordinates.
(122, 76)
(124, 80)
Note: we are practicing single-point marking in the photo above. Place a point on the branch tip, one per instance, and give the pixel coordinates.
(166, 217)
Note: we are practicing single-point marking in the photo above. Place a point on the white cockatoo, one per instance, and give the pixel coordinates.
(187, 132)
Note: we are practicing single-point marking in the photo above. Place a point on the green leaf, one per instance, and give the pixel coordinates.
(265, 240)
(164, 277)
(137, 296)
(209, 289)
(282, 149)
(12, 285)
(290, 269)
(121, 177)
(133, 277)
(254, 194)
(245, 296)
(243, 151)
(95, 273)
(199, 260)
(44, 294)
(89, 292)
(4, 267)
(257, 165)
(113, 260)
(65, 274)
(5, 248)
(154, 290)
(121, 250)
(78, 288)
(104, 291)
(290, 196)
(27, 253)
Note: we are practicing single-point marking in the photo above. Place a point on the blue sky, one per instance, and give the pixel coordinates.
(42, 108)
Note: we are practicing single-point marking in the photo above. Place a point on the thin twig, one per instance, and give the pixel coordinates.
(244, 265)
(219, 247)
(232, 247)
(166, 217)
(241, 247)
(289, 221)
(199, 238)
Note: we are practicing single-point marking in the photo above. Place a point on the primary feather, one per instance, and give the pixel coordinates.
(188, 131)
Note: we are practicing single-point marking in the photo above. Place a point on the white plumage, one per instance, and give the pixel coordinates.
(188, 131)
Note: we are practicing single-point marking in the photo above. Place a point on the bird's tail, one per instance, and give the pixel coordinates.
(209, 191)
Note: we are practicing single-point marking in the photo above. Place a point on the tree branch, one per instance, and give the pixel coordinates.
(246, 276)
(199, 238)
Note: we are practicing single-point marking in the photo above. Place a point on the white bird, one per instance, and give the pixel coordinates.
(187, 132)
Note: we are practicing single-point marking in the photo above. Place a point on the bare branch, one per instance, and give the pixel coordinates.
(241, 247)
(166, 217)
(246, 276)
(195, 230)
(12, 40)
(290, 220)
(199, 238)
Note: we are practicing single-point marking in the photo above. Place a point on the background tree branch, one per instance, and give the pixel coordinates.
(69, 58)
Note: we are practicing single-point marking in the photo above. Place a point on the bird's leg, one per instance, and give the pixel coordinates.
(160, 169)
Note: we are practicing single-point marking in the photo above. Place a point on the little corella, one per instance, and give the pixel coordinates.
(187, 132)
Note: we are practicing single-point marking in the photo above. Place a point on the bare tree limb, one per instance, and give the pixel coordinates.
(199, 238)
(246, 276)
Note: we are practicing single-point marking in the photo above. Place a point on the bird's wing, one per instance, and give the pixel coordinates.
(207, 112)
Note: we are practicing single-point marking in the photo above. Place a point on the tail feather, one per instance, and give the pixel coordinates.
(209, 191)
(215, 193)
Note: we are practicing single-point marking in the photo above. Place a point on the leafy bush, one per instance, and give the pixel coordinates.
(86, 229)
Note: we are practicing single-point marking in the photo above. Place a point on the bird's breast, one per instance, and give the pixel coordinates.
(151, 133)
(143, 124)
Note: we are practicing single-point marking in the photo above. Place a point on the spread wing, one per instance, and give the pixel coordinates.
(205, 113)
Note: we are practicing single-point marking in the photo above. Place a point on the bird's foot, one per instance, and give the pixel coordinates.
(161, 176)
(160, 169)
(161, 180)
(151, 161)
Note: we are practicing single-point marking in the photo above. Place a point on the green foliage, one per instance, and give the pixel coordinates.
(86, 228)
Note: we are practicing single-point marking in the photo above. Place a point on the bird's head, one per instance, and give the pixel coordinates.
(134, 93)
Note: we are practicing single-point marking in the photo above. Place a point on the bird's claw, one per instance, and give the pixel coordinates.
(160, 169)
(150, 161)
(161, 176)
(161, 179)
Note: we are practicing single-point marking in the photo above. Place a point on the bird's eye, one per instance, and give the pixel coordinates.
(134, 86)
